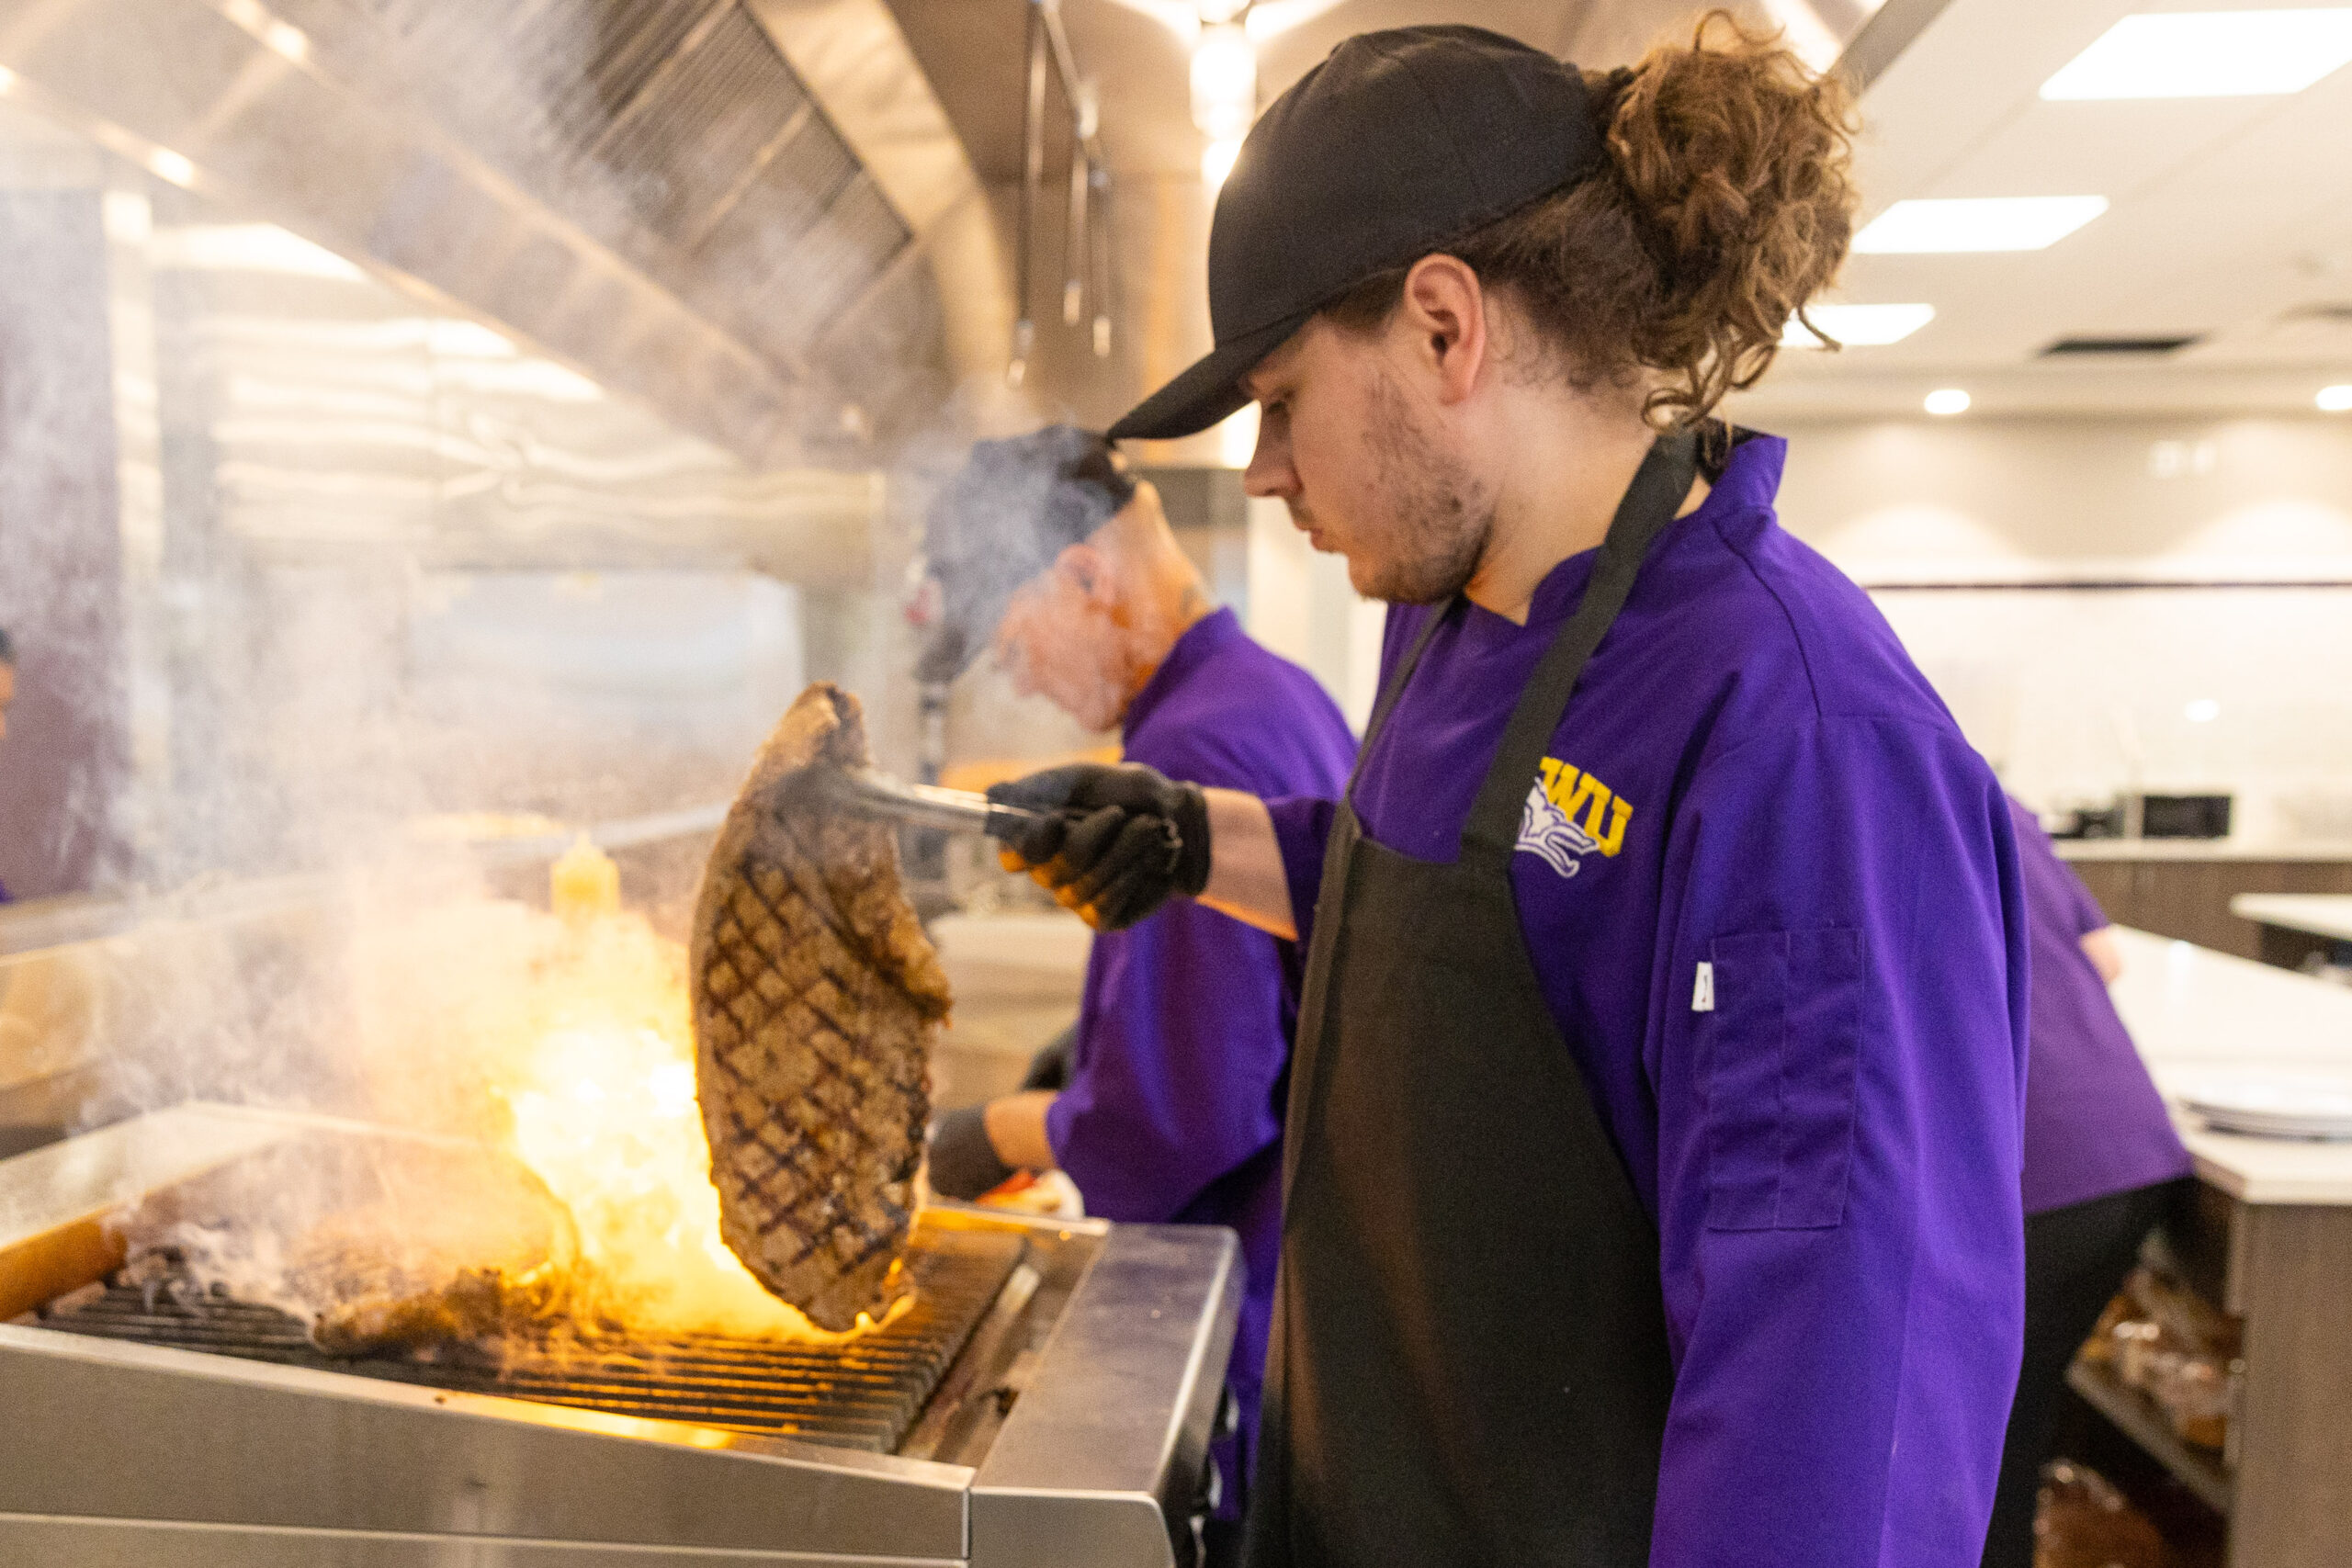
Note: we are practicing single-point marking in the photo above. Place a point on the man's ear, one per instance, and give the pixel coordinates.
(1086, 568)
(1442, 316)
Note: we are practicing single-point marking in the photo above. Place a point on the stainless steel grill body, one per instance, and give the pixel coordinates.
(1071, 1429)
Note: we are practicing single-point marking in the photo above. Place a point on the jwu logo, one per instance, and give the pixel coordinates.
(1570, 815)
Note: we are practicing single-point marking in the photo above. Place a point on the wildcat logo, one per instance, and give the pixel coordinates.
(1548, 825)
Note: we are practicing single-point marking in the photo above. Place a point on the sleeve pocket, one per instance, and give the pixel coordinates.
(1779, 1053)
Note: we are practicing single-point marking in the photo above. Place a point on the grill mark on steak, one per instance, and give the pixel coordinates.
(815, 1000)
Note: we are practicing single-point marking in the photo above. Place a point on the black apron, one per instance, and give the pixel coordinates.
(1469, 1363)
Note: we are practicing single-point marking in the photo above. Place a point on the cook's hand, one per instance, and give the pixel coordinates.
(1116, 842)
(964, 1163)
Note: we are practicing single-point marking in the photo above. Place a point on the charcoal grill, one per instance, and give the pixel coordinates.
(1047, 1401)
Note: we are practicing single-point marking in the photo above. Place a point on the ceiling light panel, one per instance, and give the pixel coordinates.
(1858, 326)
(1977, 224)
(2208, 54)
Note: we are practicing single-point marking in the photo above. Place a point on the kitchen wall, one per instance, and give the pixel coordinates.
(2107, 605)
(2114, 604)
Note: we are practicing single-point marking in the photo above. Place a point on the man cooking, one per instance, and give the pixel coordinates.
(1172, 1106)
(1652, 1159)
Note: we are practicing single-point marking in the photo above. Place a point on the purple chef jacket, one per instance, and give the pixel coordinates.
(2094, 1124)
(1173, 1108)
(1825, 1120)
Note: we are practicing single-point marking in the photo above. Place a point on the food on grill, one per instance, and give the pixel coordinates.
(499, 1260)
(477, 1304)
(815, 1000)
(376, 1241)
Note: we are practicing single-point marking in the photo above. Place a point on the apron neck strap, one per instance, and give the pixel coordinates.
(1651, 501)
(1404, 667)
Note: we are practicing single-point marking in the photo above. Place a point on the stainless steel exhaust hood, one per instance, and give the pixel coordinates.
(648, 189)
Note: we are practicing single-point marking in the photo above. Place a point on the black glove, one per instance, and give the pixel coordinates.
(1116, 842)
(1050, 1068)
(964, 1164)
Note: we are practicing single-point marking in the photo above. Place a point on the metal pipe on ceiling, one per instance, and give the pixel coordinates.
(1086, 267)
(1033, 174)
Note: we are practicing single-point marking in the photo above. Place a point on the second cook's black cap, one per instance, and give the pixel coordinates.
(1396, 143)
(1006, 516)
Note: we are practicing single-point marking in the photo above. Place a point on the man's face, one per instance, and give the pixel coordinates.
(1364, 470)
(1061, 640)
(8, 695)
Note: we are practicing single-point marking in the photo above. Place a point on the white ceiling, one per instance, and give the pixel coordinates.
(2229, 218)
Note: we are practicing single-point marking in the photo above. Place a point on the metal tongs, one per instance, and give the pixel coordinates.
(873, 793)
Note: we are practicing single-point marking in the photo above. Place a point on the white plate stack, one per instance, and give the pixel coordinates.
(2275, 1105)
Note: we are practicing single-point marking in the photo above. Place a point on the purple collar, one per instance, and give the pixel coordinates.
(1751, 477)
(1202, 641)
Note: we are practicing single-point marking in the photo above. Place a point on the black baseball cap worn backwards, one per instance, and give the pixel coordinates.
(1396, 143)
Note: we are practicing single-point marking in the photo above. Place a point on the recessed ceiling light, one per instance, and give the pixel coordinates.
(1947, 400)
(1977, 223)
(2202, 710)
(2208, 54)
(2335, 399)
(1858, 326)
(172, 165)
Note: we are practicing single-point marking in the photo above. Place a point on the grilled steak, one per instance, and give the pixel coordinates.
(815, 998)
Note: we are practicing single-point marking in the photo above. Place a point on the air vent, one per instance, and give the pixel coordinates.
(634, 39)
(790, 280)
(2091, 347)
(688, 142)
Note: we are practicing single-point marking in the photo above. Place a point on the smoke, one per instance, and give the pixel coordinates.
(989, 719)
(60, 548)
(329, 1219)
(333, 608)
(371, 604)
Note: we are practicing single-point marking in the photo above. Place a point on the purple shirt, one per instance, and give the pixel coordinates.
(2094, 1124)
(1825, 1122)
(1174, 1109)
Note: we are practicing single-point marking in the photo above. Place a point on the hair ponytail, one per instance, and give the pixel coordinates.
(1726, 203)
(1735, 161)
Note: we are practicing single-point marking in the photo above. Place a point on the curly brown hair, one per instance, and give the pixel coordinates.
(1725, 203)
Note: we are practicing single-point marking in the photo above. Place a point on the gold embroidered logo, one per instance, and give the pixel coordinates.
(1570, 815)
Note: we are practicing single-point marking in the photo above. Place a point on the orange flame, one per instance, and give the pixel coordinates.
(577, 1023)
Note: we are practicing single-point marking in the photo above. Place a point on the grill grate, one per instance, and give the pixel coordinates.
(865, 1395)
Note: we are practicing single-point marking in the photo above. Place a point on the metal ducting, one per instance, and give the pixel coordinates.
(645, 188)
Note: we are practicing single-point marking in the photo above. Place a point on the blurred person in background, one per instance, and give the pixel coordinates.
(1171, 1107)
(2103, 1165)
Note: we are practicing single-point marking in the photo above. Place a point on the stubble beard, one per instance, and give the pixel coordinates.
(1438, 519)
